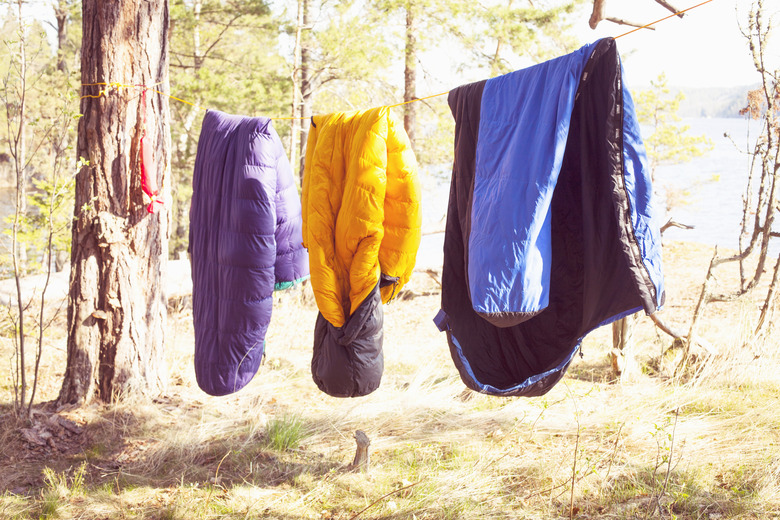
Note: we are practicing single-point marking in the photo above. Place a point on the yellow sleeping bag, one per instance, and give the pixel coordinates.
(361, 217)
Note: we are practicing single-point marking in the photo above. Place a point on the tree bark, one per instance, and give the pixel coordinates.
(410, 74)
(598, 14)
(117, 307)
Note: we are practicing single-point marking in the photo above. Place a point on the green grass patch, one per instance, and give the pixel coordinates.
(286, 432)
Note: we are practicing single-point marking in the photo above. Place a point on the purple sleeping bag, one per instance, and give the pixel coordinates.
(245, 241)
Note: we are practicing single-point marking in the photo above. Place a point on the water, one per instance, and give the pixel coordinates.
(708, 190)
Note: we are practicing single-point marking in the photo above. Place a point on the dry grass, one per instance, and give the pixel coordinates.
(645, 449)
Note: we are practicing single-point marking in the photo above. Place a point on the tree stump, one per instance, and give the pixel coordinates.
(362, 457)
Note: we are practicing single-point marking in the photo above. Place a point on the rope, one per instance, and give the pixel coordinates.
(662, 19)
(389, 106)
(105, 91)
(117, 86)
(418, 99)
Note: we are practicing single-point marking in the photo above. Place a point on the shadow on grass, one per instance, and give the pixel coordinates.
(122, 448)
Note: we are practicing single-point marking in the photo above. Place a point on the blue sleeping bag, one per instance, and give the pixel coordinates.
(550, 227)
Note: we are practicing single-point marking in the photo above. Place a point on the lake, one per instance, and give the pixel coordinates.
(711, 187)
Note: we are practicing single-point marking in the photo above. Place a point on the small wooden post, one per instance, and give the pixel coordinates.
(624, 364)
(361, 452)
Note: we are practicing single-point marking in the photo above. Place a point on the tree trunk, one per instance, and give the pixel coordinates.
(61, 15)
(410, 75)
(117, 306)
(295, 122)
(307, 88)
(18, 148)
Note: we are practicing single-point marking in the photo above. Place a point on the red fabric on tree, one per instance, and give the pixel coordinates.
(148, 167)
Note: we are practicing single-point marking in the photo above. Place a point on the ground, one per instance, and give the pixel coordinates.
(652, 447)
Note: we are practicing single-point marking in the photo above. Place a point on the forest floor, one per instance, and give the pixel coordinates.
(648, 447)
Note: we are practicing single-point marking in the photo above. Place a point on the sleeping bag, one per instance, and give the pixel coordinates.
(245, 241)
(361, 225)
(550, 227)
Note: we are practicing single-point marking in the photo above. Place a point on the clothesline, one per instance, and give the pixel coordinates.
(151, 87)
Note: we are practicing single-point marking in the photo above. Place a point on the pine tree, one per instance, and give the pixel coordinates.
(117, 306)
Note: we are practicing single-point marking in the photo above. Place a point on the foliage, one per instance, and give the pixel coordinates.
(223, 56)
(50, 215)
(434, 137)
(515, 34)
(67, 16)
(231, 56)
(337, 55)
(669, 142)
(50, 101)
(495, 36)
(346, 69)
(39, 131)
(47, 89)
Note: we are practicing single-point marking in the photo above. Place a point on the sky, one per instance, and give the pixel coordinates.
(705, 48)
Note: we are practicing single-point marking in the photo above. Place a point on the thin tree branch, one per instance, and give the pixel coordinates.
(768, 301)
(671, 8)
(673, 223)
(696, 314)
(621, 21)
(664, 327)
